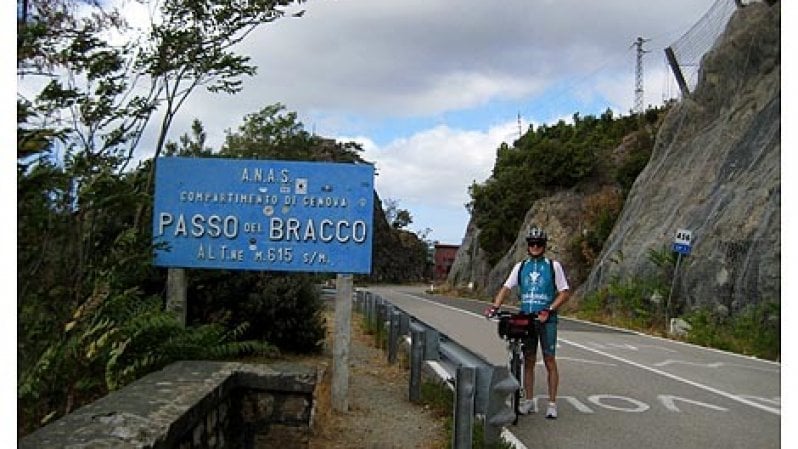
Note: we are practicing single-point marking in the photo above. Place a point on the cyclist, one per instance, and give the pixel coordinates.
(543, 289)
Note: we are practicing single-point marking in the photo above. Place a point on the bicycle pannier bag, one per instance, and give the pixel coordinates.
(515, 326)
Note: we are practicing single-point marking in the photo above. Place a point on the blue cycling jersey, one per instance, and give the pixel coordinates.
(536, 285)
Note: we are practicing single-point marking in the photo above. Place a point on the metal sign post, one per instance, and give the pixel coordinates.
(343, 320)
(176, 288)
(682, 245)
(673, 285)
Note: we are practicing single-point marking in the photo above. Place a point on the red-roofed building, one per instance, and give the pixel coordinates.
(443, 258)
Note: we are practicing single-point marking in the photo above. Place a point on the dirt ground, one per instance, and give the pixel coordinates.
(380, 416)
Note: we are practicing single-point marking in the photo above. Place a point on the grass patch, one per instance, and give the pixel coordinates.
(755, 330)
(378, 331)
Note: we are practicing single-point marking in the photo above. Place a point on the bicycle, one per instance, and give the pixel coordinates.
(514, 327)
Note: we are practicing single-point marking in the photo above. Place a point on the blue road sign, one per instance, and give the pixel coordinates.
(681, 248)
(263, 215)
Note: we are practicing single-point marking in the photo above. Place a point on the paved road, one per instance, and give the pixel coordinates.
(621, 389)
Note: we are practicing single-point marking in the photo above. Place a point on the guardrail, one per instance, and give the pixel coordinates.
(481, 389)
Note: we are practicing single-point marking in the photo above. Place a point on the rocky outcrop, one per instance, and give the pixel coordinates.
(715, 170)
(561, 214)
(470, 265)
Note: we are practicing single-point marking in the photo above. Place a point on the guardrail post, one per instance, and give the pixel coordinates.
(404, 324)
(463, 407)
(432, 345)
(482, 392)
(499, 414)
(369, 308)
(386, 319)
(393, 337)
(416, 355)
(359, 300)
(379, 312)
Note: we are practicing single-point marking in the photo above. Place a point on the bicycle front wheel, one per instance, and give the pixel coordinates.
(515, 369)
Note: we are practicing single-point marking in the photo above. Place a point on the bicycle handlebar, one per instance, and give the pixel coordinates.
(506, 313)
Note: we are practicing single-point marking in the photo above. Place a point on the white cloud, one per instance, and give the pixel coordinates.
(436, 165)
(392, 58)
(429, 172)
(365, 68)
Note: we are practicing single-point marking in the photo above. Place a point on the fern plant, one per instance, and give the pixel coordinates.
(113, 339)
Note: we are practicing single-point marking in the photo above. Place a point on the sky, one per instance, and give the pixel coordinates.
(432, 88)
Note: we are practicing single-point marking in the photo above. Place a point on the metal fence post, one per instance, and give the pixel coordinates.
(404, 324)
(393, 337)
(379, 311)
(359, 299)
(499, 414)
(416, 356)
(431, 345)
(369, 308)
(463, 407)
(482, 392)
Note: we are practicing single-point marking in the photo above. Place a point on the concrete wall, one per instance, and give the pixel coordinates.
(195, 405)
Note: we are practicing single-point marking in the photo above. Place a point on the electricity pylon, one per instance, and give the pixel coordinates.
(639, 74)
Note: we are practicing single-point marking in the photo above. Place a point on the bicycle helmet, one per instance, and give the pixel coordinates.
(536, 234)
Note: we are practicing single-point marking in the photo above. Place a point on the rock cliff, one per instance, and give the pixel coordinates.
(715, 170)
(561, 214)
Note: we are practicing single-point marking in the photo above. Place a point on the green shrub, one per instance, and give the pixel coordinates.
(754, 330)
(284, 309)
(379, 332)
(593, 304)
(551, 158)
(113, 339)
(626, 303)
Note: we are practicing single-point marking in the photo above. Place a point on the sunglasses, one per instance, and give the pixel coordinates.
(538, 243)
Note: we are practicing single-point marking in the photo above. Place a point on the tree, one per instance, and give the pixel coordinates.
(192, 46)
(282, 308)
(545, 160)
(274, 133)
(190, 145)
(83, 235)
(402, 220)
(100, 96)
(396, 217)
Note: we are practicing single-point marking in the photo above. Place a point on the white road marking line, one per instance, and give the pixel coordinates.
(719, 392)
(445, 306)
(669, 401)
(668, 340)
(725, 394)
(682, 362)
(593, 362)
(510, 438)
(714, 365)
